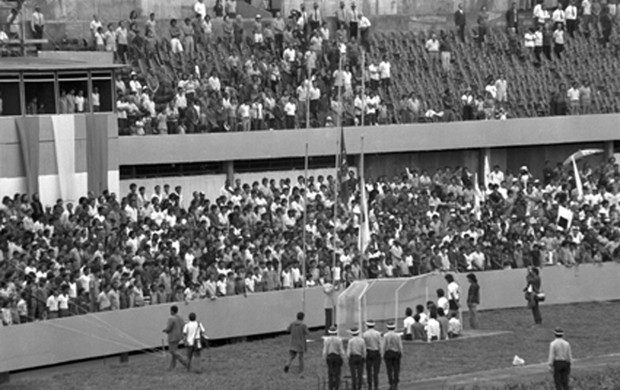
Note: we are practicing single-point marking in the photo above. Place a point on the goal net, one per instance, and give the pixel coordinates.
(380, 300)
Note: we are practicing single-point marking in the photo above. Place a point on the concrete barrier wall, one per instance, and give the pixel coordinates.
(93, 335)
(101, 334)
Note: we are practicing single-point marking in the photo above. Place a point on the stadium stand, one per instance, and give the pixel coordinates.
(422, 89)
(106, 253)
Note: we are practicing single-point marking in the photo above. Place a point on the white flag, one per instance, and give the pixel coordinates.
(364, 232)
(578, 183)
(487, 173)
(565, 218)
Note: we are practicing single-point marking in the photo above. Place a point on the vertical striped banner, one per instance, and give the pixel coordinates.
(63, 129)
(97, 152)
(28, 133)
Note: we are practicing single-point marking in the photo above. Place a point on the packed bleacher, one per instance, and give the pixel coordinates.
(219, 74)
(143, 248)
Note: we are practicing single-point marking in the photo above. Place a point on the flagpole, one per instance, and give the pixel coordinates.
(338, 143)
(303, 234)
(363, 88)
(308, 85)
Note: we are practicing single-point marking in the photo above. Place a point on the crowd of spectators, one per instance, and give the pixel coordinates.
(111, 253)
(216, 72)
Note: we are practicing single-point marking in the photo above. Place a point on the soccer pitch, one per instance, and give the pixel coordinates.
(256, 365)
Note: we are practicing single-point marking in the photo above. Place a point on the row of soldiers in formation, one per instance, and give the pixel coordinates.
(368, 347)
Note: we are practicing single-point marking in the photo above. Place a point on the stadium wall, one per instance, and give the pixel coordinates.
(102, 334)
(389, 149)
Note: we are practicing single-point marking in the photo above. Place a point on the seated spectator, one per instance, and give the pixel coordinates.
(454, 326)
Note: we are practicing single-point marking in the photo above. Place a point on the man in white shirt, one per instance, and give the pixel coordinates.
(454, 294)
(432, 47)
(571, 18)
(442, 301)
(558, 16)
(496, 176)
(290, 109)
(573, 96)
(433, 328)
(385, 73)
(200, 9)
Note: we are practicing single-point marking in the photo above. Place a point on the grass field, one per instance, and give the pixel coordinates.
(259, 365)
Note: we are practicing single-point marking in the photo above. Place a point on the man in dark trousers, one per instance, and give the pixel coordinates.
(356, 352)
(333, 354)
(174, 329)
(392, 354)
(512, 18)
(372, 339)
(298, 331)
(560, 358)
(473, 300)
(460, 22)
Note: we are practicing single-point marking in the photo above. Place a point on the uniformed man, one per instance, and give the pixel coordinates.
(356, 352)
(372, 339)
(392, 353)
(333, 354)
(560, 358)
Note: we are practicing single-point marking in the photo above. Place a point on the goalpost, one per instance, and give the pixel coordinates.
(379, 300)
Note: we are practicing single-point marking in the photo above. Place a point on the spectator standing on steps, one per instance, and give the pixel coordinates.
(460, 21)
(560, 359)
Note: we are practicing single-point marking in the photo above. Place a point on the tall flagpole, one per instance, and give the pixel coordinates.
(308, 86)
(363, 86)
(338, 157)
(303, 234)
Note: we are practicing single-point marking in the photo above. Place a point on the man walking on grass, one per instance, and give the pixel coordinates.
(298, 331)
(174, 329)
(560, 358)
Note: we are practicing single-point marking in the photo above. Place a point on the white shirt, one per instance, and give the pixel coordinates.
(192, 331)
(573, 94)
(201, 9)
(453, 291)
(538, 38)
(442, 303)
(290, 108)
(571, 12)
(52, 303)
(587, 7)
(433, 329)
(432, 45)
(407, 323)
(529, 39)
(384, 69)
(558, 16)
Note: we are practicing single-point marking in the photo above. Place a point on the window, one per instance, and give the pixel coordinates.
(73, 93)
(40, 94)
(9, 95)
(102, 83)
